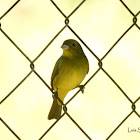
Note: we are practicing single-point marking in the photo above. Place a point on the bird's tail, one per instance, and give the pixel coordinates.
(55, 111)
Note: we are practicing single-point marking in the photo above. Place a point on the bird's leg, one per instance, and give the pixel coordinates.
(82, 87)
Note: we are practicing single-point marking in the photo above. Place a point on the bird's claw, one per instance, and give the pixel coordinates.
(82, 87)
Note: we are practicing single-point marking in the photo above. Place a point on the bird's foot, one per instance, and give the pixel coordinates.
(82, 87)
(55, 95)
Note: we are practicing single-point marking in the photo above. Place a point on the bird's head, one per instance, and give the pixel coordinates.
(71, 48)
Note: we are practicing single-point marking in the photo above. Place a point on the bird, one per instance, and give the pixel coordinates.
(69, 71)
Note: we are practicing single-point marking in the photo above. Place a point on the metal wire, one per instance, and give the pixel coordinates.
(133, 104)
(10, 129)
(10, 9)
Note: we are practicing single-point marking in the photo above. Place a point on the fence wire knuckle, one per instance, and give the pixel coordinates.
(81, 87)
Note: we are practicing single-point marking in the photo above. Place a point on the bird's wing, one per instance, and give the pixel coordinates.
(87, 66)
(55, 71)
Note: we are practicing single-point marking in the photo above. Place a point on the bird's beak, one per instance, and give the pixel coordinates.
(65, 47)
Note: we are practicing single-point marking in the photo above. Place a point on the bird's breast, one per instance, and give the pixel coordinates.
(71, 74)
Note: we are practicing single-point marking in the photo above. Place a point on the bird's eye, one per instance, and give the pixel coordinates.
(74, 44)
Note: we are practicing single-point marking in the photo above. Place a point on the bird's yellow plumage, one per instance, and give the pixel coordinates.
(69, 71)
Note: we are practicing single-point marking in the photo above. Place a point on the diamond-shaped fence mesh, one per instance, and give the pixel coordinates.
(66, 112)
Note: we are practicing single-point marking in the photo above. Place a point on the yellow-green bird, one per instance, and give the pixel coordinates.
(69, 71)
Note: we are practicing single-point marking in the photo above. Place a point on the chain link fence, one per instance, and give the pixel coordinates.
(100, 64)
